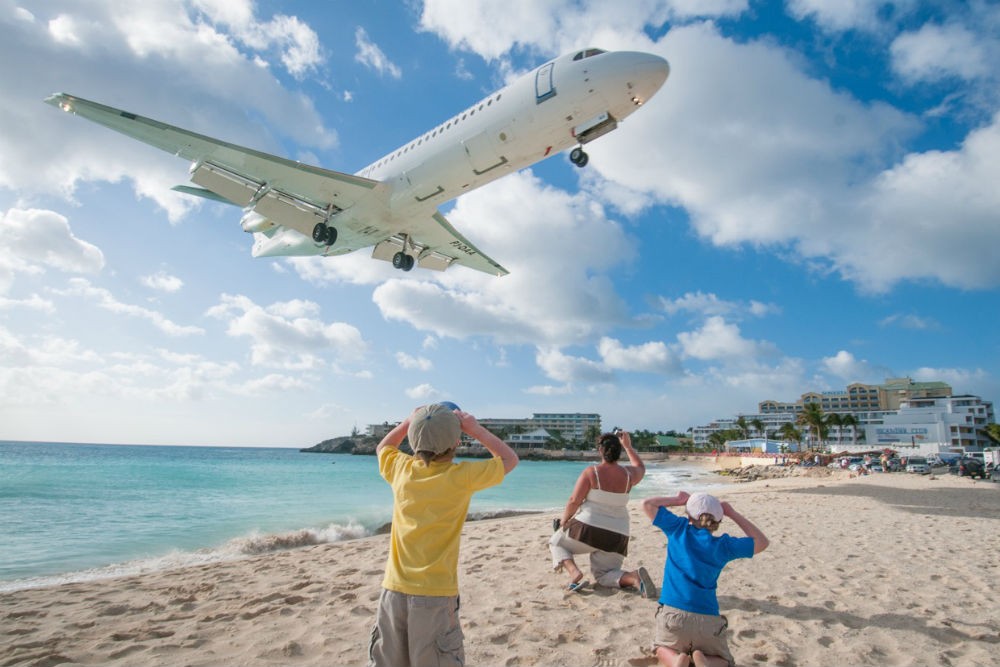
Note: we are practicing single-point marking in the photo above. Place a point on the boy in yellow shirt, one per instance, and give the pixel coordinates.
(417, 621)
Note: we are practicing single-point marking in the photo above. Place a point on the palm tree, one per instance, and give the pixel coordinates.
(717, 440)
(758, 427)
(852, 421)
(790, 433)
(835, 419)
(812, 418)
(592, 434)
(743, 427)
(992, 431)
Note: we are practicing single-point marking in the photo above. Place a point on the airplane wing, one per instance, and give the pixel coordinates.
(289, 193)
(233, 172)
(437, 245)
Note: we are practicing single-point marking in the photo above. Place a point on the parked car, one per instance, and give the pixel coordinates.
(970, 467)
(917, 464)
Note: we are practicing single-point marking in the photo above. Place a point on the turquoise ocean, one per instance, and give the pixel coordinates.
(75, 512)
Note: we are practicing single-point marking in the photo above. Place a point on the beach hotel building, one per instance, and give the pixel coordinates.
(536, 432)
(887, 415)
(927, 426)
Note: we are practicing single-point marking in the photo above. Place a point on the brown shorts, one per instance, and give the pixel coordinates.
(416, 630)
(685, 631)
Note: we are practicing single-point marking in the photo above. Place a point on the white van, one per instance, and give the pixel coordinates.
(917, 464)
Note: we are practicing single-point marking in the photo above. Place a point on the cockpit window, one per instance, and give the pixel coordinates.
(588, 53)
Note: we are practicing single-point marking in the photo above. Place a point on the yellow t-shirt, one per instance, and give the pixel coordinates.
(429, 508)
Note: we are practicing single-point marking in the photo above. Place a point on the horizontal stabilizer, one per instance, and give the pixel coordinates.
(201, 192)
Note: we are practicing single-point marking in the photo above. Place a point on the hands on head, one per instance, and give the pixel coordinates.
(467, 421)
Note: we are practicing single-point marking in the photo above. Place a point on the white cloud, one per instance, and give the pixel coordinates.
(558, 248)
(770, 156)
(289, 335)
(914, 322)
(269, 385)
(162, 281)
(370, 55)
(760, 309)
(719, 340)
(842, 15)
(651, 357)
(34, 302)
(571, 370)
(294, 42)
(915, 230)
(411, 363)
(103, 298)
(705, 305)
(42, 372)
(935, 52)
(160, 59)
(423, 393)
(699, 303)
(64, 30)
(845, 366)
(549, 390)
(32, 240)
(963, 380)
(809, 178)
(492, 29)
(43, 350)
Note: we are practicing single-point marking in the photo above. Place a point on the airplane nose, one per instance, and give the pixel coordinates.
(647, 73)
(653, 71)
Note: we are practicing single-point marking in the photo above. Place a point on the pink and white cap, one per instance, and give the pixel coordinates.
(703, 503)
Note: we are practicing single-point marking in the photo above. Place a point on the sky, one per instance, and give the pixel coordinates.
(809, 201)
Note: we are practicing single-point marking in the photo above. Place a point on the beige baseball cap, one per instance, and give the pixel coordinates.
(434, 428)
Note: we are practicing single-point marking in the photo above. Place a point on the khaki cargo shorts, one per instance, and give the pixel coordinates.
(685, 631)
(416, 630)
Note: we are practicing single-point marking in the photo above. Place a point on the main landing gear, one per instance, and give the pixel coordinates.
(578, 157)
(402, 261)
(323, 233)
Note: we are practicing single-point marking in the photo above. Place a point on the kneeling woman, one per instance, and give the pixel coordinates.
(596, 520)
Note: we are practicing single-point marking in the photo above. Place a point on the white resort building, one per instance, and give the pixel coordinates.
(922, 416)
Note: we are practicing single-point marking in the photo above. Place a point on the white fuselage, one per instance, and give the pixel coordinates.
(538, 115)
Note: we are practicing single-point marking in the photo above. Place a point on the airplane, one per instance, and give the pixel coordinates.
(392, 204)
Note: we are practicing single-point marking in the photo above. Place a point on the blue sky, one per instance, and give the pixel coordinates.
(809, 201)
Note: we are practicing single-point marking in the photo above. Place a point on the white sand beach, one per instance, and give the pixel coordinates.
(881, 570)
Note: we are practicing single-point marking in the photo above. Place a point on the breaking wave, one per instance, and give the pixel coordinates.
(253, 544)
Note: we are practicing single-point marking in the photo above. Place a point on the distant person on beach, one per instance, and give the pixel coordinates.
(688, 626)
(596, 520)
(417, 622)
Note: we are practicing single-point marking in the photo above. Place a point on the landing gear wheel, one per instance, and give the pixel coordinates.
(402, 261)
(331, 236)
(319, 233)
(578, 157)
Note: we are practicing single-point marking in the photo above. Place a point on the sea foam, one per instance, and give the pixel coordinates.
(238, 548)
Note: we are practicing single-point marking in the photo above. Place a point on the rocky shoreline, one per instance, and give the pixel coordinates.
(752, 473)
(365, 446)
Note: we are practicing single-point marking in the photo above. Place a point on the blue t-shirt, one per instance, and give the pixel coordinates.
(695, 559)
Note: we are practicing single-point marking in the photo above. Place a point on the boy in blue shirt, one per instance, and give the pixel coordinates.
(688, 624)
